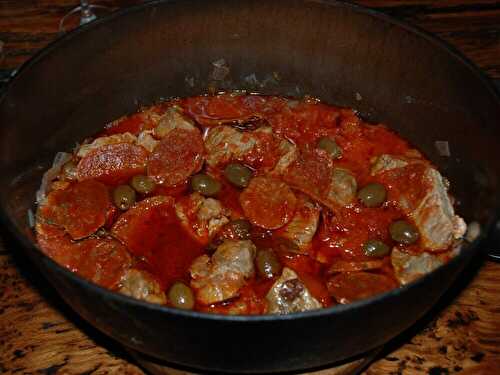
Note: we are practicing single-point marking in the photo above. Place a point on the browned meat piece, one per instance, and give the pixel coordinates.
(421, 192)
(224, 143)
(51, 174)
(146, 140)
(408, 267)
(172, 119)
(220, 277)
(289, 294)
(289, 153)
(203, 217)
(386, 163)
(303, 226)
(258, 148)
(141, 285)
(343, 186)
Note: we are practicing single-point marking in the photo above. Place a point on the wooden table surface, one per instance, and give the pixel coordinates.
(40, 334)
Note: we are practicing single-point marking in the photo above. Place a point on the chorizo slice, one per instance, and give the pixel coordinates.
(80, 209)
(268, 202)
(351, 266)
(217, 110)
(352, 286)
(311, 173)
(178, 155)
(104, 261)
(100, 260)
(55, 243)
(140, 228)
(113, 163)
(86, 148)
(135, 123)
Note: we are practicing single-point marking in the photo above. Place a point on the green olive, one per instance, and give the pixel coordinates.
(372, 195)
(375, 248)
(403, 232)
(330, 146)
(268, 264)
(238, 174)
(240, 228)
(143, 184)
(181, 296)
(205, 184)
(69, 170)
(124, 197)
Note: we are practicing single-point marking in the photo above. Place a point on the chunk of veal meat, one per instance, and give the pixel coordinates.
(289, 294)
(258, 148)
(102, 141)
(146, 140)
(289, 154)
(343, 186)
(420, 191)
(220, 277)
(387, 162)
(172, 119)
(303, 226)
(51, 174)
(202, 217)
(224, 143)
(408, 267)
(141, 285)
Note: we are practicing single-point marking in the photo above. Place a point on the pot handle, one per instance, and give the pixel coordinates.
(492, 242)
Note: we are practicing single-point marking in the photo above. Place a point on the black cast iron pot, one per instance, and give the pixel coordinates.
(340, 53)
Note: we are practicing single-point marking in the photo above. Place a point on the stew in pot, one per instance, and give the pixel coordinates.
(246, 204)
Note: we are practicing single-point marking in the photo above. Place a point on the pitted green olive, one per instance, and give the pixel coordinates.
(142, 184)
(205, 184)
(372, 195)
(238, 174)
(330, 146)
(268, 264)
(375, 248)
(181, 296)
(403, 232)
(123, 197)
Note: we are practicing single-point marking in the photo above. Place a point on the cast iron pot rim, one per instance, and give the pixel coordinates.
(337, 309)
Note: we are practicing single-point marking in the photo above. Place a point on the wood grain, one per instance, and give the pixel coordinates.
(39, 334)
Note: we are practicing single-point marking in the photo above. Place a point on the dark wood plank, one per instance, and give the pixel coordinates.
(471, 26)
